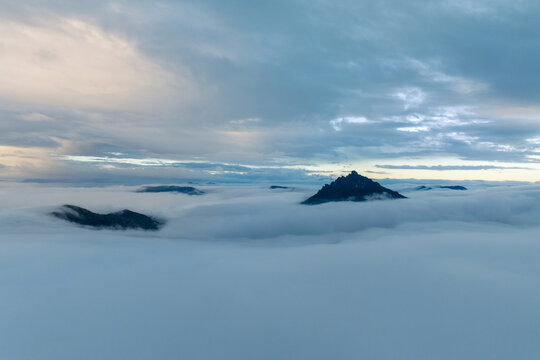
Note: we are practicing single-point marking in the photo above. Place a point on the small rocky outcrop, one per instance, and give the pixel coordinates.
(276, 187)
(451, 187)
(189, 190)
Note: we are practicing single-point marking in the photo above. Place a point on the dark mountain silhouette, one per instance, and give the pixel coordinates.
(353, 187)
(125, 219)
(451, 187)
(454, 187)
(189, 190)
(274, 187)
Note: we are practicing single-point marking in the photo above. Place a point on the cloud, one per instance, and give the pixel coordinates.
(30, 141)
(244, 211)
(338, 123)
(260, 276)
(413, 129)
(450, 167)
(411, 97)
(36, 117)
(70, 62)
(457, 84)
(225, 85)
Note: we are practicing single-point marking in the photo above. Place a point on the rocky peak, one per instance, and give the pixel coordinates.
(353, 187)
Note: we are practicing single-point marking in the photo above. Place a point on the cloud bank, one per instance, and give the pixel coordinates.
(254, 212)
(248, 272)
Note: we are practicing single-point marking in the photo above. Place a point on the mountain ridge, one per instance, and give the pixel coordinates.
(123, 219)
(353, 187)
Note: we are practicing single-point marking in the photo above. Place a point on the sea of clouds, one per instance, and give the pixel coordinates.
(245, 272)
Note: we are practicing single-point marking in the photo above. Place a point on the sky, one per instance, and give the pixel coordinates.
(282, 91)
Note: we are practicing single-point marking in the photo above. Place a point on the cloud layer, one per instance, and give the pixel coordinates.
(316, 85)
(246, 272)
(253, 212)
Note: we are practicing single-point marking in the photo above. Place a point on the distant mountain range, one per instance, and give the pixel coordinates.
(125, 219)
(189, 190)
(353, 187)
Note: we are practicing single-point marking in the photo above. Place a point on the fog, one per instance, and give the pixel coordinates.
(244, 272)
(256, 212)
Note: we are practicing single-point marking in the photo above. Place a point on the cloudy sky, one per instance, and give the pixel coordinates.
(282, 90)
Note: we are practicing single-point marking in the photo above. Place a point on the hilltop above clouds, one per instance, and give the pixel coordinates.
(353, 187)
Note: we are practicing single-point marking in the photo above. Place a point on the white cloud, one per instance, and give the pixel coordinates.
(338, 123)
(461, 136)
(534, 141)
(260, 276)
(413, 129)
(411, 97)
(458, 84)
(70, 62)
(37, 117)
(254, 212)
(245, 121)
(498, 147)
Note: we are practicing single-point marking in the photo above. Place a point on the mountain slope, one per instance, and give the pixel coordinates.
(353, 187)
(125, 219)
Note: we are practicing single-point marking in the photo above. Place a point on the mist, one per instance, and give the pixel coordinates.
(244, 272)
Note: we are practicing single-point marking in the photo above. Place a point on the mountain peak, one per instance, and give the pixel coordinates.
(353, 187)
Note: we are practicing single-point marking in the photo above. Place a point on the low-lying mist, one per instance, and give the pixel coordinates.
(249, 212)
(245, 272)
